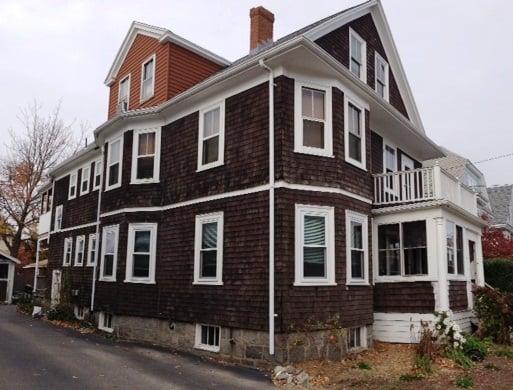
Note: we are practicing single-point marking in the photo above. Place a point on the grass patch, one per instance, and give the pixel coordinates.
(459, 357)
(364, 366)
(424, 364)
(464, 382)
(411, 377)
(504, 352)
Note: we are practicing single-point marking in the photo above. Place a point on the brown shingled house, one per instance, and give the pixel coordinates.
(230, 208)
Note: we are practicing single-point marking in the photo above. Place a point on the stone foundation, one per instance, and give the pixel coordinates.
(241, 346)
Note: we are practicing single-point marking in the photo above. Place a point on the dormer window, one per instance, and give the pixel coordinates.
(358, 56)
(148, 79)
(381, 70)
(124, 94)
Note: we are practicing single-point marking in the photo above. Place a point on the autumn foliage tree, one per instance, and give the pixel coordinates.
(496, 244)
(43, 142)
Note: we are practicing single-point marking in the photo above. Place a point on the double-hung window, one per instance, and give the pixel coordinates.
(313, 130)
(357, 248)
(148, 78)
(114, 163)
(354, 133)
(68, 249)
(381, 76)
(91, 250)
(208, 257)
(315, 248)
(455, 254)
(402, 249)
(98, 166)
(145, 160)
(211, 136)
(109, 257)
(124, 94)
(79, 251)
(358, 55)
(141, 256)
(72, 193)
(84, 179)
(57, 224)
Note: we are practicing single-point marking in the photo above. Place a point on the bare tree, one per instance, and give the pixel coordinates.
(43, 143)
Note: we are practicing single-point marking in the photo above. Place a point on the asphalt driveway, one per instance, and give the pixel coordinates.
(37, 355)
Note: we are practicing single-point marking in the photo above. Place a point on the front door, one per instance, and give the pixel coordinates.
(56, 287)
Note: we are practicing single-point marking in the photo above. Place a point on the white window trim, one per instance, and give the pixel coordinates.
(363, 339)
(455, 275)
(75, 174)
(329, 214)
(87, 179)
(101, 320)
(128, 76)
(90, 261)
(197, 339)
(220, 160)
(115, 229)
(154, 58)
(200, 221)
(327, 151)
(96, 174)
(363, 75)
(77, 240)
(58, 211)
(120, 176)
(68, 242)
(156, 158)
(390, 191)
(132, 228)
(378, 58)
(352, 216)
(360, 164)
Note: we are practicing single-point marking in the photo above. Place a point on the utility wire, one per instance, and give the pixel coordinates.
(494, 158)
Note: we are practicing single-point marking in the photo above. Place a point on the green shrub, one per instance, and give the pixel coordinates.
(495, 312)
(424, 364)
(474, 348)
(364, 366)
(464, 382)
(499, 274)
(61, 313)
(459, 357)
(504, 352)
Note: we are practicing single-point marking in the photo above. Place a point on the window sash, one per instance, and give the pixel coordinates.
(114, 163)
(141, 259)
(68, 250)
(98, 174)
(73, 185)
(123, 89)
(58, 218)
(109, 253)
(91, 250)
(80, 249)
(208, 242)
(86, 173)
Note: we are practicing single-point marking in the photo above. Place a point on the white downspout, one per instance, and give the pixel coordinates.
(36, 270)
(271, 206)
(98, 212)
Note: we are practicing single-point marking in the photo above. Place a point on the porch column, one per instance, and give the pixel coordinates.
(480, 279)
(443, 288)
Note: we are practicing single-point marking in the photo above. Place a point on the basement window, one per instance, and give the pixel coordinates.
(105, 322)
(356, 338)
(79, 312)
(211, 136)
(208, 337)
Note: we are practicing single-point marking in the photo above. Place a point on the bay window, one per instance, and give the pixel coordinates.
(402, 249)
(145, 156)
(114, 163)
(208, 257)
(109, 253)
(313, 132)
(354, 133)
(315, 263)
(141, 256)
(357, 248)
(211, 136)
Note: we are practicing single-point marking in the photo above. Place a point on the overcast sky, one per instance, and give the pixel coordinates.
(457, 56)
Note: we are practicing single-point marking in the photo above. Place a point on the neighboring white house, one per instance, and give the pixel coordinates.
(7, 272)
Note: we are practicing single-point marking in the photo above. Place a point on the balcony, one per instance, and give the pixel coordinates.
(43, 226)
(422, 185)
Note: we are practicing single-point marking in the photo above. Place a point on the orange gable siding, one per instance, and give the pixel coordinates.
(177, 69)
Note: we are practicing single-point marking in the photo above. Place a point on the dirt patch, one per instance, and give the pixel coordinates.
(392, 366)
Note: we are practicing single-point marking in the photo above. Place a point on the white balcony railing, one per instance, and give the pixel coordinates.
(43, 226)
(421, 185)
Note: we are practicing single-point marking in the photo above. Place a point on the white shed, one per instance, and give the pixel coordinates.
(7, 272)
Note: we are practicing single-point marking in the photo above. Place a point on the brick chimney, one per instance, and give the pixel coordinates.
(262, 21)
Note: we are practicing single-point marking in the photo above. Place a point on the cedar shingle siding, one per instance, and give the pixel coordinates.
(404, 297)
(458, 298)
